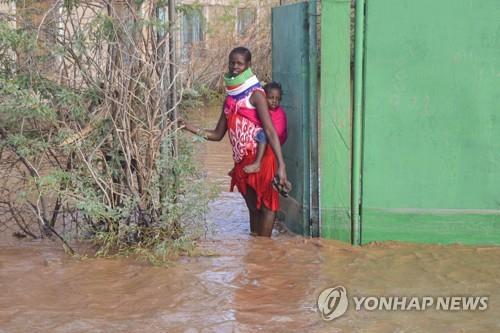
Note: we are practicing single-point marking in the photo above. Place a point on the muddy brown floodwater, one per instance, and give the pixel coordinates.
(250, 285)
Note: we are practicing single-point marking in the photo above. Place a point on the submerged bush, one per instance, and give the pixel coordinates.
(89, 145)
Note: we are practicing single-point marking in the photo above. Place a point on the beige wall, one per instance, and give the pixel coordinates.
(7, 8)
(208, 59)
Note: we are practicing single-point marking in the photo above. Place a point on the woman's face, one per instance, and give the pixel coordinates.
(237, 64)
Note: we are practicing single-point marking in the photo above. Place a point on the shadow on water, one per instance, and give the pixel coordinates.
(249, 285)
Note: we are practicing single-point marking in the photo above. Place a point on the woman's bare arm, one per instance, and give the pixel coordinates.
(213, 135)
(259, 101)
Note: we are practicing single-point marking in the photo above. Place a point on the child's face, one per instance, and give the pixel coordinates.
(273, 98)
(237, 64)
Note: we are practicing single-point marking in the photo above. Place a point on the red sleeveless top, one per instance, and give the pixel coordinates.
(241, 135)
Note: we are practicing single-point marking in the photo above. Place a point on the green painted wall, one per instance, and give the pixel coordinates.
(431, 139)
(335, 121)
(291, 69)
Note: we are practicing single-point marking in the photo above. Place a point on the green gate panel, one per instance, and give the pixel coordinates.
(335, 136)
(431, 140)
(291, 68)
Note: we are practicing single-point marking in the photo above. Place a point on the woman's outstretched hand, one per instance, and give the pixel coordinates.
(181, 123)
(212, 135)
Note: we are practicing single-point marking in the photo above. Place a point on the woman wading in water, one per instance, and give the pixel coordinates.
(245, 94)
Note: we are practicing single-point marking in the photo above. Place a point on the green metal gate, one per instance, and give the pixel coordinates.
(417, 157)
(290, 62)
(335, 132)
(431, 136)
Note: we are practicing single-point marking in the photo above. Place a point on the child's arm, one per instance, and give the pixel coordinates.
(259, 101)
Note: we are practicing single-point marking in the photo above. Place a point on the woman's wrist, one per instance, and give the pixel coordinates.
(201, 133)
(193, 129)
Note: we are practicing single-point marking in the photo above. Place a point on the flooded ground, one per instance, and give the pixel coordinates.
(249, 285)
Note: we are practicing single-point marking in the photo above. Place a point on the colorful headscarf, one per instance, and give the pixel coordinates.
(239, 86)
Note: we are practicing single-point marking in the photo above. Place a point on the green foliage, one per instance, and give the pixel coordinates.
(139, 3)
(90, 148)
(189, 9)
(27, 147)
(199, 95)
(18, 102)
(12, 39)
(71, 4)
(15, 39)
(102, 28)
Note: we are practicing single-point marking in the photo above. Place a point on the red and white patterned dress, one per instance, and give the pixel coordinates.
(241, 135)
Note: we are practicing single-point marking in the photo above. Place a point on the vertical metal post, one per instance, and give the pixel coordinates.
(313, 120)
(358, 120)
(172, 15)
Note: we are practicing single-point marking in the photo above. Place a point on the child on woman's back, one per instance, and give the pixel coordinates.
(273, 95)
